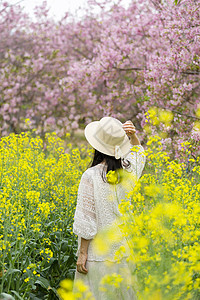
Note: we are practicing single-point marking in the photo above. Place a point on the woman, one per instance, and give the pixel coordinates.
(112, 142)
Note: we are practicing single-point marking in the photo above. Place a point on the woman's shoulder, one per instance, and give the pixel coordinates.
(92, 171)
(88, 173)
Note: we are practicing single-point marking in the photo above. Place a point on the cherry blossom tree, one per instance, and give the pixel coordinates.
(34, 59)
(119, 62)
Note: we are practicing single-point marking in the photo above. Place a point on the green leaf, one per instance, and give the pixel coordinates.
(17, 295)
(55, 52)
(43, 282)
(11, 271)
(5, 296)
(64, 246)
(32, 296)
(66, 258)
(55, 291)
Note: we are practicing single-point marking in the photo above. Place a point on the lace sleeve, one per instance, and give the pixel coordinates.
(85, 224)
(137, 159)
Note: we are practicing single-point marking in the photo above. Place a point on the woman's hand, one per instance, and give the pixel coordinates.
(81, 263)
(129, 128)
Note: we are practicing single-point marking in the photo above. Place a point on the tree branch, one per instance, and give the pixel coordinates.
(142, 69)
(129, 69)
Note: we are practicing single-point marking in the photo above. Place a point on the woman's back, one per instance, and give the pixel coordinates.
(97, 202)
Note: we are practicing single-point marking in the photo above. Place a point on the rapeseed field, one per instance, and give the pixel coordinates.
(160, 219)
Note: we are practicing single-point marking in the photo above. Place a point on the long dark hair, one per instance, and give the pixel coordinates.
(112, 164)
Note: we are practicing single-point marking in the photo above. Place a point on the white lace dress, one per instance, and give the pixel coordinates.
(94, 212)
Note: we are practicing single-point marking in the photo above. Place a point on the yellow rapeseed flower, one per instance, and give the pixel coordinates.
(112, 177)
(165, 116)
(67, 284)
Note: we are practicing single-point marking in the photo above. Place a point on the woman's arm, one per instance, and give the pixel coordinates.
(136, 156)
(134, 140)
(82, 258)
(84, 246)
(129, 128)
(85, 223)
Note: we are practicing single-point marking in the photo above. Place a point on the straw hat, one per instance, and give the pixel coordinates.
(108, 137)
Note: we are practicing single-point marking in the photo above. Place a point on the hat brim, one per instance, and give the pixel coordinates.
(90, 134)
